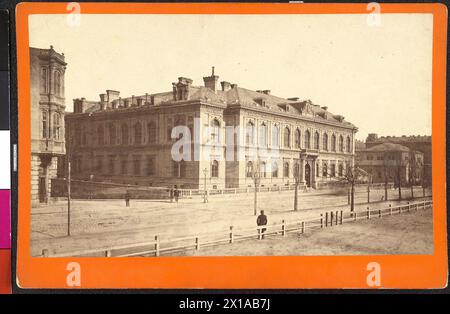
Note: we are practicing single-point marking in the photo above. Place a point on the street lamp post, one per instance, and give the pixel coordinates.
(256, 179)
(205, 194)
(69, 157)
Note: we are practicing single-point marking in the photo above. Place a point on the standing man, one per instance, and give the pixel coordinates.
(176, 193)
(262, 221)
(127, 199)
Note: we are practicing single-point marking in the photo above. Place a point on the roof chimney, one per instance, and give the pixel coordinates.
(211, 81)
(225, 86)
(266, 91)
(112, 95)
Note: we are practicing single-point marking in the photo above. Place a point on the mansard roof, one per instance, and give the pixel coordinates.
(237, 97)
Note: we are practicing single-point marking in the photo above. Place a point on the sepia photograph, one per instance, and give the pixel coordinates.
(230, 134)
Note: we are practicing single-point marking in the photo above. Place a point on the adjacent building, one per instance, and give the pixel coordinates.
(129, 140)
(389, 162)
(47, 68)
(416, 143)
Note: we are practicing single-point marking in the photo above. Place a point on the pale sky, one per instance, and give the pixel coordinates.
(377, 77)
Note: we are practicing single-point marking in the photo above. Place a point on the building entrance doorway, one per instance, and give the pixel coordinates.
(42, 190)
(308, 175)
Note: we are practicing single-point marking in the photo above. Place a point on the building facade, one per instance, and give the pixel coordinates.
(130, 140)
(47, 68)
(420, 143)
(388, 162)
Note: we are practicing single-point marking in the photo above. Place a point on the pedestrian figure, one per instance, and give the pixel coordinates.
(171, 191)
(127, 199)
(176, 193)
(262, 221)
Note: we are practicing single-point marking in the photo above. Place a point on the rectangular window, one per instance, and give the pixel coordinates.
(333, 170)
(150, 165)
(176, 169)
(137, 166)
(123, 166)
(44, 80)
(100, 164)
(44, 124)
(111, 165)
(169, 129)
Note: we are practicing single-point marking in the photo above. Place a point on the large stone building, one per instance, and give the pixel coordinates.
(47, 68)
(389, 162)
(420, 143)
(129, 140)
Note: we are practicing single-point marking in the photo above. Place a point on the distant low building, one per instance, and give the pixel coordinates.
(420, 143)
(389, 162)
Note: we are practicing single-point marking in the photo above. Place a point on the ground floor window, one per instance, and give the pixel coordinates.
(137, 167)
(249, 169)
(274, 169)
(150, 165)
(215, 169)
(286, 169)
(333, 170)
(324, 169)
(111, 165)
(123, 166)
(263, 169)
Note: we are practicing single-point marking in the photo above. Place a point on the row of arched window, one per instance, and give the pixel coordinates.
(326, 172)
(311, 141)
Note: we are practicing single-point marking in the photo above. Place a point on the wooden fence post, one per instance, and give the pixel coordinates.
(157, 246)
(409, 207)
(342, 218)
(283, 228)
(231, 234)
(379, 213)
(197, 243)
(355, 216)
(108, 253)
(303, 227)
(337, 217)
(326, 219)
(390, 210)
(348, 197)
(321, 220)
(331, 218)
(368, 212)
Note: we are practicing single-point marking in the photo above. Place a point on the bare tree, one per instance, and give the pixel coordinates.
(296, 184)
(352, 175)
(386, 174)
(412, 171)
(255, 173)
(398, 175)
